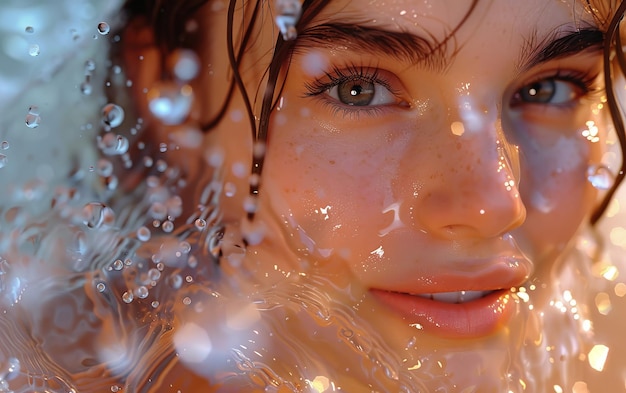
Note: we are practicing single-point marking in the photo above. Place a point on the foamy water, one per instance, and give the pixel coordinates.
(110, 280)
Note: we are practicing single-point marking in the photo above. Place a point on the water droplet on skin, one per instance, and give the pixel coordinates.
(112, 115)
(100, 287)
(4, 145)
(103, 28)
(169, 102)
(29, 29)
(230, 189)
(600, 177)
(111, 144)
(3, 160)
(86, 88)
(33, 50)
(90, 66)
(104, 167)
(143, 234)
(176, 281)
(154, 274)
(96, 214)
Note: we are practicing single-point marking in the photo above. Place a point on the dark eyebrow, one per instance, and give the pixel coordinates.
(553, 48)
(405, 47)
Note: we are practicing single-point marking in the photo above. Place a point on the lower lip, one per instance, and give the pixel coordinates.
(477, 318)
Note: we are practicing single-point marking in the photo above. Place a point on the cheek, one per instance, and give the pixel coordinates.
(330, 189)
(555, 191)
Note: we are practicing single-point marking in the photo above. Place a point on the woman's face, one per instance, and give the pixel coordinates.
(441, 154)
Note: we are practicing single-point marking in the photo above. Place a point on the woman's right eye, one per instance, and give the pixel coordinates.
(361, 92)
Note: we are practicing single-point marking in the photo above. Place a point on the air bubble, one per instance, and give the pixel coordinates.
(104, 28)
(34, 50)
(154, 274)
(143, 234)
(118, 264)
(112, 115)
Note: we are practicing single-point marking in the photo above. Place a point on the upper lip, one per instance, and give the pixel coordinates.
(503, 272)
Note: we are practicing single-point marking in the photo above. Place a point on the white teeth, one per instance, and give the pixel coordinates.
(455, 297)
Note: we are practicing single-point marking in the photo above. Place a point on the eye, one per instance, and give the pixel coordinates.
(361, 92)
(552, 91)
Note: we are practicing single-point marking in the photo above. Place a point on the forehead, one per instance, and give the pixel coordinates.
(480, 19)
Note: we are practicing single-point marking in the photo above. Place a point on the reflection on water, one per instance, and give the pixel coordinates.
(109, 278)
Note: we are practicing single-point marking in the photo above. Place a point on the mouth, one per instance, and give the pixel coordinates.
(458, 314)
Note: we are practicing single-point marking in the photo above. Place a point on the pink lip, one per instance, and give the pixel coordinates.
(475, 318)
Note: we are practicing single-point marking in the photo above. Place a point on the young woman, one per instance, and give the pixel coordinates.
(361, 196)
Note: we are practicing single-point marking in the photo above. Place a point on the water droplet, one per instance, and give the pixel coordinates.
(200, 224)
(148, 161)
(104, 28)
(127, 297)
(104, 167)
(29, 29)
(100, 287)
(118, 264)
(230, 189)
(143, 234)
(3, 160)
(33, 50)
(96, 214)
(4, 145)
(86, 88)
(154, 274)
(186, 300)
(185, 247)
(287, 16)
(168, 226)
(250, 204)
(90, 66)
(32, 121)
(112, 144)
(158, 211)
(112, 115)
(169, 102)
(185, 64)
(141, 292)
(176, 281)
(600, 177)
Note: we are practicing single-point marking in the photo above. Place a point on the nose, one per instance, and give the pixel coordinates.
(472, 191)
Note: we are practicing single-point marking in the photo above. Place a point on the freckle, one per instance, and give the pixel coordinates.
(331, 162)
(459, 146)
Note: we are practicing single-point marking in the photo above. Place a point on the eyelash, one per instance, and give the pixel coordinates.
(585, 80)
(349, 73)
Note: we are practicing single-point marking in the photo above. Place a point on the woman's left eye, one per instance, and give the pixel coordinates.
(361, 92)
(551, 91)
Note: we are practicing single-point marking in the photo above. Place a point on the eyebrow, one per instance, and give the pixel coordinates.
(427, 51)
(553, 47)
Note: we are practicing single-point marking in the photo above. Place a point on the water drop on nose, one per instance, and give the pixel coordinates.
(29, 29)
(103, 28)
(112, 115)
(34, 50)
(600, 177)
(4, 145)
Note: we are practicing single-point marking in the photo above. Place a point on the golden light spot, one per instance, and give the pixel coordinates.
(319, 384)
(610, 273)
(597, 356)
(587, 325)
(580, 387)
(557, 389)
(457, 128)
(603, 303)
(618, 236)
(620, 289)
